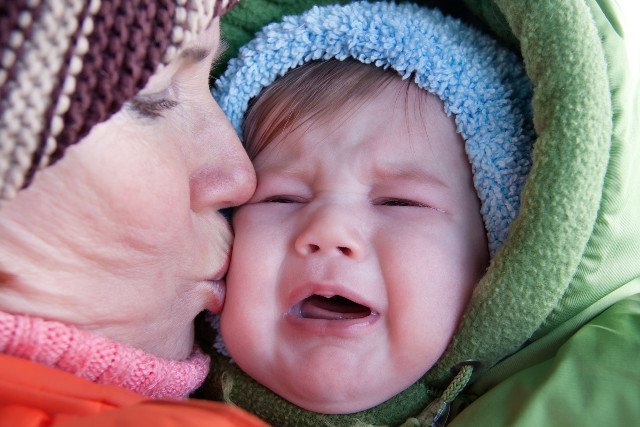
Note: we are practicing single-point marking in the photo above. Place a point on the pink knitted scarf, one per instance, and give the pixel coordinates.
(100, 359)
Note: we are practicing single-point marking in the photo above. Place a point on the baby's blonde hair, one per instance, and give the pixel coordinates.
(310, 92)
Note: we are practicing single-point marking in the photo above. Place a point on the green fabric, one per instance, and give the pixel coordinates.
(534, 268)
(554, 321)
(227, 383)
(591, 379)
(611, 256)
(581, 370)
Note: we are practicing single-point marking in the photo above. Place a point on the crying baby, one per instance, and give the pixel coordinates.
(356, 256)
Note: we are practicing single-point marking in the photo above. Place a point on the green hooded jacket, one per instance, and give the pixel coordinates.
(554, 325)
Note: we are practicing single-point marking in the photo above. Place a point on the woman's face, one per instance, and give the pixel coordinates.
(125, 231)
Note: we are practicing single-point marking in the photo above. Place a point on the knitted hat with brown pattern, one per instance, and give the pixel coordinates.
(67, 65)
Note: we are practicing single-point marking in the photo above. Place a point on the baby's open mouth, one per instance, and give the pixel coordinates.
(330, 308)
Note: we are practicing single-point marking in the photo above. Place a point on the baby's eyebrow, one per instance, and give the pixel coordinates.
(410, 173)
(285, 172)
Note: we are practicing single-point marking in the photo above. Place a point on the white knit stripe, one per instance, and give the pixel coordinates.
(8, 59)
(29, 94)
(191, 18)
(69, 85)
(201, 14)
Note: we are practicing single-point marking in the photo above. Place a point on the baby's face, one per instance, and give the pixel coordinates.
(356, 256)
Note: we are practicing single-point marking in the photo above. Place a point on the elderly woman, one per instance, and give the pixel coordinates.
(115, 161)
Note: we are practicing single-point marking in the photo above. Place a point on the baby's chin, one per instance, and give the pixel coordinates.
(333, 392)
(346, 399)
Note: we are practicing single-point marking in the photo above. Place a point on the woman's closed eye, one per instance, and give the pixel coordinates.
(151, 107)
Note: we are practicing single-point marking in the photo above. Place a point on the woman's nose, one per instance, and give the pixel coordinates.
(332, 230)
(226, 176)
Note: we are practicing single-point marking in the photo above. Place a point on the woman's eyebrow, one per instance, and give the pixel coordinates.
(150, 107)
(194, 54)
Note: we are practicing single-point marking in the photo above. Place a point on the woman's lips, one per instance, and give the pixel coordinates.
(222, 270)
(217, 287)
(218, 292)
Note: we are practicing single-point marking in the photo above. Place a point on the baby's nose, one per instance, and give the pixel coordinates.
(332, 230)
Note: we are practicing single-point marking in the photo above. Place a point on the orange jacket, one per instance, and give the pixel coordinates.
(35, 395)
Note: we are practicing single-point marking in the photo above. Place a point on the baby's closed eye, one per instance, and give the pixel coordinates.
(404, 202)
(282, 199)
(399, 202)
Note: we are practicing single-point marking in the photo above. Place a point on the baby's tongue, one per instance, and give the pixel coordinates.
(334, 308)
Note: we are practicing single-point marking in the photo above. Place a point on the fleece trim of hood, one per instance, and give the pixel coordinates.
(526, 281)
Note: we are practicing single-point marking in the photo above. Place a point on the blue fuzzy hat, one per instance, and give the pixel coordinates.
(481, 83)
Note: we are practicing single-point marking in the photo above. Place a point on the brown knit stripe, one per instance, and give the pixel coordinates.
(9, 19)
(29, 93)
(127, 40)
(15, 23)
(164, 26)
